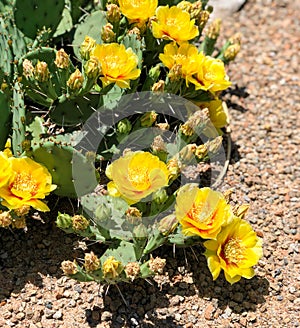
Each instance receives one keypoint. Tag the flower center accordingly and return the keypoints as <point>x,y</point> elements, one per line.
<point>234,251</point>
<point>24,182</point>
<point>139,177</point>
<point>171,21</point>
<point>201,213</point>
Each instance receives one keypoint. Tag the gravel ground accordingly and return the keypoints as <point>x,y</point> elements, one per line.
<point>264,106</point>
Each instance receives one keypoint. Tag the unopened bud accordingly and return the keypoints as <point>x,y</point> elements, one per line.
<point>185,6</point>
<point>92,68</point>
<point>41,71</point>
<point>133,215</point>
<point>213,30</point>
<point>241,210</point>
<point>91,262</point>
<point>75,81</point>
<point>148,119</point>
<point>187,153</point>
<point>232,51</point>
<point>28,69</point>
<point>235,39</point>
<point>79,222</point>
<point>175,73</point>
<point>107,34</point>
<point>135,31</point>
<point>174,167</point>
<point>111,268</point>
<point>203,18</point>
<point>86,47</point>
<point>23,210</point>
<point>163,126</point>
<point>132,270</point>
<point>160,196</point>
<point>158,86</point>
<point>196,11</point>
<point>5,219</point>
<point>196,120</point>
<point>124,126</point>
<point>157,264</point>
<point>168,224</point>
<point>62,59</point>
<point>215,145</point>
<point>201,151</point>
<point>63,221</point>
<point>158,145</point>
<point>69,268</point>
<point>113,13</point>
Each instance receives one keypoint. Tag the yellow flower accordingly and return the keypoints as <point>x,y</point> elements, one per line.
<point>174,24</point>
<point>138,10</point>
<point>111,268</point>
<point>29,183</point>
<point>211,75</point>
<point>136,175</point>
<point>217,113</point>
<point>201,212</point>
<point>186,55</point>
<point>236,250</point>
<point>118,64</point>
<point>5,169</point>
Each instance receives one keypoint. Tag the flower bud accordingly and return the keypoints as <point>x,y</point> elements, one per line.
<point>132,270</point>
<point>241,210</point>
<point>23,210</point>
<point>168,224</point>
<point>235,39</point>
<point>215,145</point>
<point>103,212</point>
<point>201,151</point>
<point>203,18</point>
<point>28,69</point>
<point>107,34</point>
<point>133,215</point>
<point>174,167</point>
<point>163,126</point>
<point>41,71</point>
<point>79,222</point>
<point>231,52</point>
<point>159,86</point>
<point>175,73</point>
<point>160,196</point>
<point>158,145</point>
<point>198,119</point>
<point>185,6</point>
<point>69,268</point>
<point>213,30</point>
<point>91,262</point>
<point>111,268</point>
<point>196,11</point>
<point>187,153</point>
<point>86,47</point>
<point>5,219</point>
<point>113,13</point>
<point>157,264</point>
<point>75,81</point>
<point>62,59</point>
<point>135,31</point>
<point>140,231</point>
<point>92,68</point>
<point>124,126</point>
<point>148,119</point>
<point>63,221</point>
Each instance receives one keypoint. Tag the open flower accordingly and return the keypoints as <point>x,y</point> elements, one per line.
<point>236,250</point>
<point>118,64</point>
<point>174,24</point>
<point>136,175</point>
<point>111,268</point>
<point>29,183</point>
<point>201,212</point>
<point>5,169</point>
<point>138,10</point>
<point>211,75</point>
<point>186,55</point>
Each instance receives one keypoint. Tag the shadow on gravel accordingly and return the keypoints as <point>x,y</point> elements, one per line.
<point>239,92</point>
<point>25,256</point>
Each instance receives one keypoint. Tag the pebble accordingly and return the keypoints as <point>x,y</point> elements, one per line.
<point>57,315</point>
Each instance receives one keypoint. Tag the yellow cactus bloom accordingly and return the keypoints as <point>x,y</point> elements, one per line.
<point>138,10</point>
<point>29,183</point>
<point>236,250</point>
<point>217,113</point>
<point>111,268</point>
<point>186,55</point>
<point>118,64</point>
<point>211,75</point>
<point>201,212</point>
<point>5,169</point>
<point>174,24</point>
<point>136,175</point>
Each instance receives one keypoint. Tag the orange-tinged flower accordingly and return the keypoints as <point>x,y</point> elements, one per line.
<point>201,212</point>
<point>211,75</point>
<point>5,169</point>
<point>138,10</point>
<point>236,250</point>
<point>118,64</point>
<point>29,183</point>
<point>174,24</point>
<point>136,175</point>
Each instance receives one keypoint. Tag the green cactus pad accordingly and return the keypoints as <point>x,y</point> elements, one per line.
<point>74,111</point>
<point>59,160</point>
<point>92,27</point>
<point>5,115</point>
<point>32,15</point>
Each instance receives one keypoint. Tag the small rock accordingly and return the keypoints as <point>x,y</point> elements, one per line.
<point>20,316</point>
<point>106,316</point>
<point>57,315</point>
<point>209,311</point>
